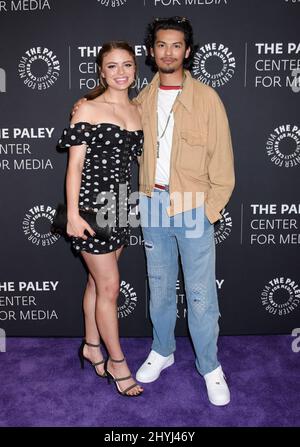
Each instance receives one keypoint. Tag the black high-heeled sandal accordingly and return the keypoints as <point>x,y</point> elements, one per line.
<point>115,380</point>
<point>82,358</point>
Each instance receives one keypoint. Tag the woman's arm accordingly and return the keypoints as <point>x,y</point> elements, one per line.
<point>76,225</point>
<point>73,179</point>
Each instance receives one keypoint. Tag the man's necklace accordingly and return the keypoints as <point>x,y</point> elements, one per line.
<point>159,137</point>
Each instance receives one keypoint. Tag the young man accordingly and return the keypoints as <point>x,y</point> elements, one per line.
<point>186,170</point>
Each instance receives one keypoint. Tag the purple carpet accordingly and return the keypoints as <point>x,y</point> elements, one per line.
<point>42,385</point>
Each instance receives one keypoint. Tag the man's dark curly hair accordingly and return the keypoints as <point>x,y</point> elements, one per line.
<point>176,23</point>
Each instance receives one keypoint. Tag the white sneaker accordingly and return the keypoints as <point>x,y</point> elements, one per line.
<point>153,366</point>
<point>217,389</point>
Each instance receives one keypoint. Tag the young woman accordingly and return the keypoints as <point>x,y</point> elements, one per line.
<point>104,137</point>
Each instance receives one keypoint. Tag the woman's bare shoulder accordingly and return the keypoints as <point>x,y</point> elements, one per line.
<point>86,111</point>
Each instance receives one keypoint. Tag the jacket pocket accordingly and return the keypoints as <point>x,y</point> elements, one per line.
<point>192,138</point>
<point>192,152</point>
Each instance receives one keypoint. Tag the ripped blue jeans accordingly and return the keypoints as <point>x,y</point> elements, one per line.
<point>163,243</point>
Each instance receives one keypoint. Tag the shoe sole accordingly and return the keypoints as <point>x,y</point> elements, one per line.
<point>152,379</point>
<point>218,404</point>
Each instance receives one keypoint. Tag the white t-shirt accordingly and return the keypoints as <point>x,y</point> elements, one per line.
<point>165,101</point>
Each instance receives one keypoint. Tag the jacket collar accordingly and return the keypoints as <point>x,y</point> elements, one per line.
<point>186,96</point>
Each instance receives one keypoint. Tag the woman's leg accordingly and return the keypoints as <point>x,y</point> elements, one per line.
<point>92,334</point>
<point>104,270</point>
<point>91,330</point>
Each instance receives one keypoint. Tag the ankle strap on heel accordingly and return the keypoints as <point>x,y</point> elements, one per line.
<point>92,345</point>
<point>117,361</point>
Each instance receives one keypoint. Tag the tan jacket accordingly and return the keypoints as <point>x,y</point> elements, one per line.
<point>201,157</point>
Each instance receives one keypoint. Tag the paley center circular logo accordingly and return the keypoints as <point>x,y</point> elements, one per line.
<point>280,296</point>
<point>39,68</point>
<point>127,300</point>
<point>283,146</point>
<point>112,3</point>
<point>214,64</point>
<point>223,227</point>
<point>36,225</point>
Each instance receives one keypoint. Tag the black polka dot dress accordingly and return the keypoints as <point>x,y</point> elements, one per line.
<point>107,168</point>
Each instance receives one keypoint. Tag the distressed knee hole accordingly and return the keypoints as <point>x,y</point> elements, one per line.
<point>155,273</point>
<point>199,305</point>
<point>148,245</point>
<point>198,297</point>
<point>156,277</point>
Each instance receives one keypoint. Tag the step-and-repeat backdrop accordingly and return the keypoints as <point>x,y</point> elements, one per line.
<point>249,51</point>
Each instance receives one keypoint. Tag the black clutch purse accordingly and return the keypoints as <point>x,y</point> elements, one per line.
<point>60,220</point>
